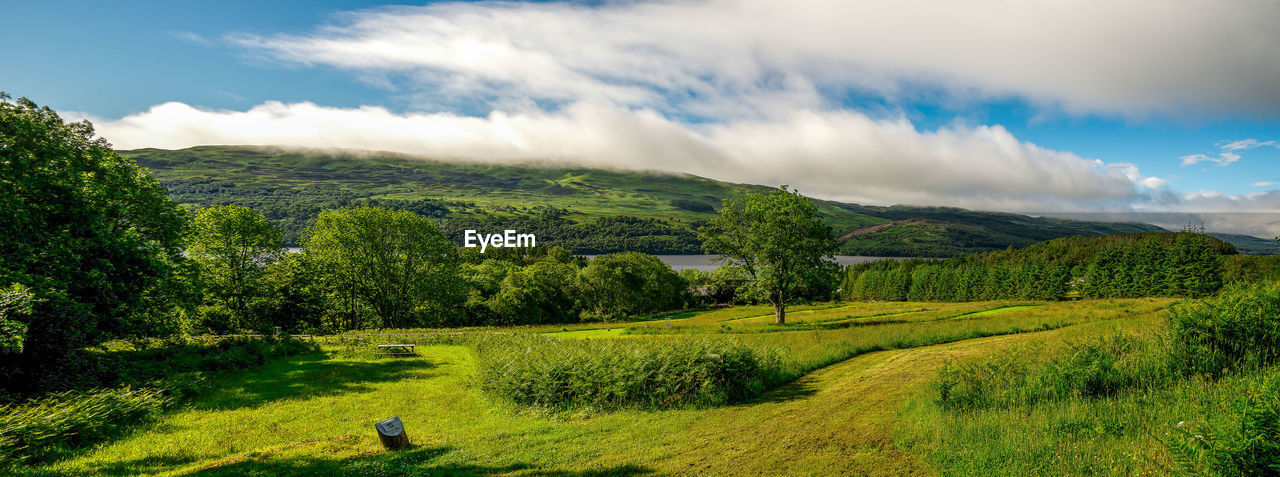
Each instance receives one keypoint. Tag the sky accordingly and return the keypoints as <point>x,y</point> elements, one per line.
<point>1171,109</point>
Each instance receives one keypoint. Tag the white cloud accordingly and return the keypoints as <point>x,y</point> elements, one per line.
<point>1263,184</point>
<point>754,58</point>
<point>1227,156</point>
<point>750,91</point>
<point>191,37</point>
<point>839,155</point>
<point>1245,144</point>
<point>1223,158</point>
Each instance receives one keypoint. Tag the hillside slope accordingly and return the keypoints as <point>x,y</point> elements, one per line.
<point>1248,244</point>
<point>587,210</point>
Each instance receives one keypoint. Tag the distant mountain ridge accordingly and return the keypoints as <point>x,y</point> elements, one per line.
<point>1249,244</point>
<point>588,210</point>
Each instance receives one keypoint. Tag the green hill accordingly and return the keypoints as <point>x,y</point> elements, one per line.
<point>1250,245</point>
<point>585,209</point>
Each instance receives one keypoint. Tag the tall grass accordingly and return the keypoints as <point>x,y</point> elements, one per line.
<point>155,377</point>
<point>805,351</point>
<point>1198,395</point>
<point>613,374</point>
<point>706,369</point>
<point>49,426</point>
<point>1099,367</point>
<point>1245,443</point>
<point>1238,329</point>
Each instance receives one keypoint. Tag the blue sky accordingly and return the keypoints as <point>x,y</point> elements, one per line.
<point>1080,107</point>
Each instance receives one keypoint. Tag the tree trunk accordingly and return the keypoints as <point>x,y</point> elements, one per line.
<point>780,314</point>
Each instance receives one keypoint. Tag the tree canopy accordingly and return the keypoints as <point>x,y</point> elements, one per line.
<point>87,231</point>
<point>396,265</point>
<point>234,246</point>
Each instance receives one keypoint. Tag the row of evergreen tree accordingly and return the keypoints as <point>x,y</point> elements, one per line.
<point>1117,266</point>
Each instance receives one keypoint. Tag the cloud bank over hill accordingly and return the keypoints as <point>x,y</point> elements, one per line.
<point>758,91</point>
<point>840,155</point>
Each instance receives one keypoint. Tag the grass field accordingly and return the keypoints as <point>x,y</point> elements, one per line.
<point>857,402</point>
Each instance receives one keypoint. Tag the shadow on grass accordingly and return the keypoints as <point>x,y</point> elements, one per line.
<point>149,465</point>
<point>305,376</point>
<point>144,466</point>
<point>799,389</point>
<point>412,461</point>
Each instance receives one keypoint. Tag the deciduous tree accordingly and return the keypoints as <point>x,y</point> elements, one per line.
<point>779,239</point>
<point>233,246</point>
<point>89,232</point>
<point>397,264</point>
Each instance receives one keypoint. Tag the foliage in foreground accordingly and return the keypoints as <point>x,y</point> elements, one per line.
<point>622,373</point>
<point>1238,329</point>
<point>1246,444</point>
<point>49,426</point>
<point>124,388</point>
<point>1097,368</point>
<point>1199,395</point>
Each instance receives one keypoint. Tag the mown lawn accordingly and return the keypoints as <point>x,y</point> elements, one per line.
<point>314,414</point>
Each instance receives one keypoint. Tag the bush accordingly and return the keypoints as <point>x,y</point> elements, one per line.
<point>998,381</point>
<point>693,205</point>
<point>622,373</point>
<point>621,285</point>
<point>15,302</point>
<point>1238,329</point>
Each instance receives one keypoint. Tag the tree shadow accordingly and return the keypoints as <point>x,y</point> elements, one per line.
<point>149,465</point>
<point>856,324</point>
<point>303,377</point>
<point>798,389</point>
<point>412,461</point>
<point>300,376</point>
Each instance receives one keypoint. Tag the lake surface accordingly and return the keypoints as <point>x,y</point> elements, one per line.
<point>704,262</point>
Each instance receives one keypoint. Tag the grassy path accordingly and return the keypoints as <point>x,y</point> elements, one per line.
<point>837,420</point>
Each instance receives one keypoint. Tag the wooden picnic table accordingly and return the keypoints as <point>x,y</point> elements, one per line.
<point>390,349</point>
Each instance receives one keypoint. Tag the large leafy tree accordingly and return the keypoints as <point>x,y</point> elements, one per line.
<point>87,231</point>
<point>619,285</point>
<point>779,239</point>
<point>234,246</point>
<point>396,264</point>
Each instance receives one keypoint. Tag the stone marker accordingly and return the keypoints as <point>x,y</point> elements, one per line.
<point>391,432</point>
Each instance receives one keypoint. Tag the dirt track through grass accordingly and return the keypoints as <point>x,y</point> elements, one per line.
<point>838,420</point>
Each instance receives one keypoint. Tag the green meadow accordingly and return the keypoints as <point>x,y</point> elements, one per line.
<point>852,391</point>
